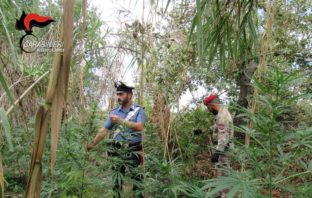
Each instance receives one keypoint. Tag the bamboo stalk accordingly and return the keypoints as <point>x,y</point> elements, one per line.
<point>53,77</point>
<point>82,40</point>
<point>62,81</point>
<point>35,173</point>
<point>266,39</point>
<point>56,93</point>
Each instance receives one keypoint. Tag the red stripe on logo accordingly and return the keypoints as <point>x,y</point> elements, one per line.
<point>35,17</point>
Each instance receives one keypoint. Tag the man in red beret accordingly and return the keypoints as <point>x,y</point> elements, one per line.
<point>223,132</point>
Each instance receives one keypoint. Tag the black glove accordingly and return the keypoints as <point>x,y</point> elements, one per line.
<point>215,156</point>
<point>197,131</point>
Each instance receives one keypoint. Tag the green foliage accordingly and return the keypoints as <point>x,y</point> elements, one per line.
<point>280,150</point>
<point>185,124</point>
<point>7,128</point>
<point>167,68</point>
<point>6,88</point>
<point>225,29</point>
<point>6,5</point>
<point>167,176</point>
<point>223,39</point>
<point>235,182</point>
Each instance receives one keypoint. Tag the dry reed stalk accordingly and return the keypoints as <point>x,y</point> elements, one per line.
<point>266,42</point>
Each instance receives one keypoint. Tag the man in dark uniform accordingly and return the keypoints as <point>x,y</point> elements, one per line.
<point>128,122</point>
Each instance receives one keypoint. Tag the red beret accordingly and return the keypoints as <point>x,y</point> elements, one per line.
<point>209,98</point>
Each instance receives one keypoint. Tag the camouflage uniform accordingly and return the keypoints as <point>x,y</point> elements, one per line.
<point>222,134</point>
